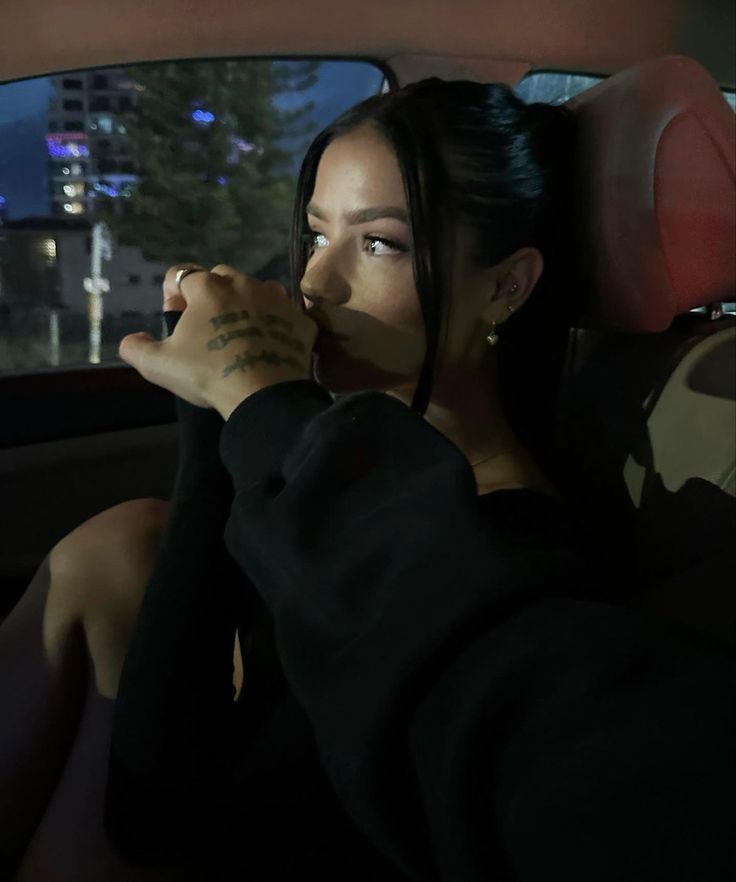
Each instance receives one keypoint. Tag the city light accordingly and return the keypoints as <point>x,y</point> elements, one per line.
<point>243,146</point>
<point>203,116</point>
<point>47,249</point>
<point>107,190</point>
<point>59,150</point>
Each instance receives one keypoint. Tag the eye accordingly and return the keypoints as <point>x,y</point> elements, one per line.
<point>389,246</point>
<point>309,239</point>
<point>393,247</point>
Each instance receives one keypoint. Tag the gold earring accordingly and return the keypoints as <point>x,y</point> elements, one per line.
<point>493,337</point>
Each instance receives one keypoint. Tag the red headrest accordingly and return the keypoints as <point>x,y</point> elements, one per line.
<point>658,172</point>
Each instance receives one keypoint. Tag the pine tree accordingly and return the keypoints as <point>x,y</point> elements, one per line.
<point>214,184</point>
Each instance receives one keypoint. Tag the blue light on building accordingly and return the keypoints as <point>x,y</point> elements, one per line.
<point>108,191</point>
<point>69,149</point>
<point>203,116</point>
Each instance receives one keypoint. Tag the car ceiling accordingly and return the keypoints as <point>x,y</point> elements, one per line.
<point>476,39</point>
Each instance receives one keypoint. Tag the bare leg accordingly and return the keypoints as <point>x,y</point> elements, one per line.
<point>70,843</point>
<point>61,652</point>
<point>41,707</point>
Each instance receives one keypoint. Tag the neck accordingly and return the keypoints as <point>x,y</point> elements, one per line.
<point>465,407</point>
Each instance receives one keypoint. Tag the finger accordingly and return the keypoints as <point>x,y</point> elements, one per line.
<point>222,269</point>
<point>277,289</point>
<point>140,351</point>
<point>173,297</point>
<point>238,282</point>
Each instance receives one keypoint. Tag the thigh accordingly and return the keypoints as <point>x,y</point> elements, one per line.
<point>70,844</point>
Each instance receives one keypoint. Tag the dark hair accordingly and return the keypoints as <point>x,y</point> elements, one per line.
<point>477,154</point>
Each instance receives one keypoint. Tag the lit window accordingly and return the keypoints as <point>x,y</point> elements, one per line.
<point>47,249</point>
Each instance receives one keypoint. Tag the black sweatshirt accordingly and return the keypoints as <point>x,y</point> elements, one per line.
<point>461,700</point>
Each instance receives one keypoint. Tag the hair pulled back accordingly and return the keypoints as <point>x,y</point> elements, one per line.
<point>477,154</point>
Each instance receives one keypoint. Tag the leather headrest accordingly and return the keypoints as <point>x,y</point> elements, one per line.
<point>656,192</point>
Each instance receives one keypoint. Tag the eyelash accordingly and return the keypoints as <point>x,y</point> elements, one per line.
<point>309,241</point>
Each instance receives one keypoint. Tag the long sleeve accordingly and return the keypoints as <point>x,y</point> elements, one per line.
<point>174,707</point>
<point>480,713</point>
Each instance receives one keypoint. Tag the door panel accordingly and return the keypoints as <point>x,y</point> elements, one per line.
<point>49,488</point>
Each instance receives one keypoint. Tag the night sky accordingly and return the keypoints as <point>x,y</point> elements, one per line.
<point>23,119</point>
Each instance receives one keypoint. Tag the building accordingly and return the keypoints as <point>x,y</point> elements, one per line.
<point>87,142</point>
<point>48,259</point>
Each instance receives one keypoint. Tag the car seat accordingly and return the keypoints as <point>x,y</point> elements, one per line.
<point>648,413</point>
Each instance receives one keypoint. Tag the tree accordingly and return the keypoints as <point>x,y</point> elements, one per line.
<point>215,184</point>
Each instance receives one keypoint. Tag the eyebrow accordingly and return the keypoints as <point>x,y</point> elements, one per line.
<point>365,215</point>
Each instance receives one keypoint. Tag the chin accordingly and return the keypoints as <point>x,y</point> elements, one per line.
<point>342,375</point>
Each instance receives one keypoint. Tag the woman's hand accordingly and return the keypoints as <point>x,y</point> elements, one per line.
<point>236,335</point>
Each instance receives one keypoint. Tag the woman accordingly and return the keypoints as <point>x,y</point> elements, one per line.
<point>447,697</point>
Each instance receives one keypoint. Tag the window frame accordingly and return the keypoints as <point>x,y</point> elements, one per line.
<point>54,403</point>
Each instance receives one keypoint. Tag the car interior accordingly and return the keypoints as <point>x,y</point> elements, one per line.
<point>648,412</point>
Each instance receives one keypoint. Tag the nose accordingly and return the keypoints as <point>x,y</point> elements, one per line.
<point>324,280</point>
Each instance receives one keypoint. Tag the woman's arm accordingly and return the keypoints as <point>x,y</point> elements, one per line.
<point>476,713</point>
<point>174,704</point>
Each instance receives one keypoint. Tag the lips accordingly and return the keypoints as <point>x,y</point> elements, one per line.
<point>325,331</point>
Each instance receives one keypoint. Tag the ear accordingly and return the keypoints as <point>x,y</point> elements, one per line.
<point>515,279</point>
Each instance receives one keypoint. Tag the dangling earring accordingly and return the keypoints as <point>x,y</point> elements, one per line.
<point>493,337</point>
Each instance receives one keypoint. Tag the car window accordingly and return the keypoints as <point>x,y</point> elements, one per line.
<point>553,87</point>
<point>109,176</point>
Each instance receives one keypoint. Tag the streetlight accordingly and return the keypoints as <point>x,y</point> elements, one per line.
<point>96,286</point>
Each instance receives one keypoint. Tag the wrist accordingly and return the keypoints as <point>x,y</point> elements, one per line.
<point>229,399</point>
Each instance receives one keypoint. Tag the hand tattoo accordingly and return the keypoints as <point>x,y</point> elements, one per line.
<point>267,319</point>
<point>245,361</point>
<point>228,318</point>
<point>223,339</point>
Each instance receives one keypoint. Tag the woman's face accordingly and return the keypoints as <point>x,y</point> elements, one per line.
<point>359,283</point>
